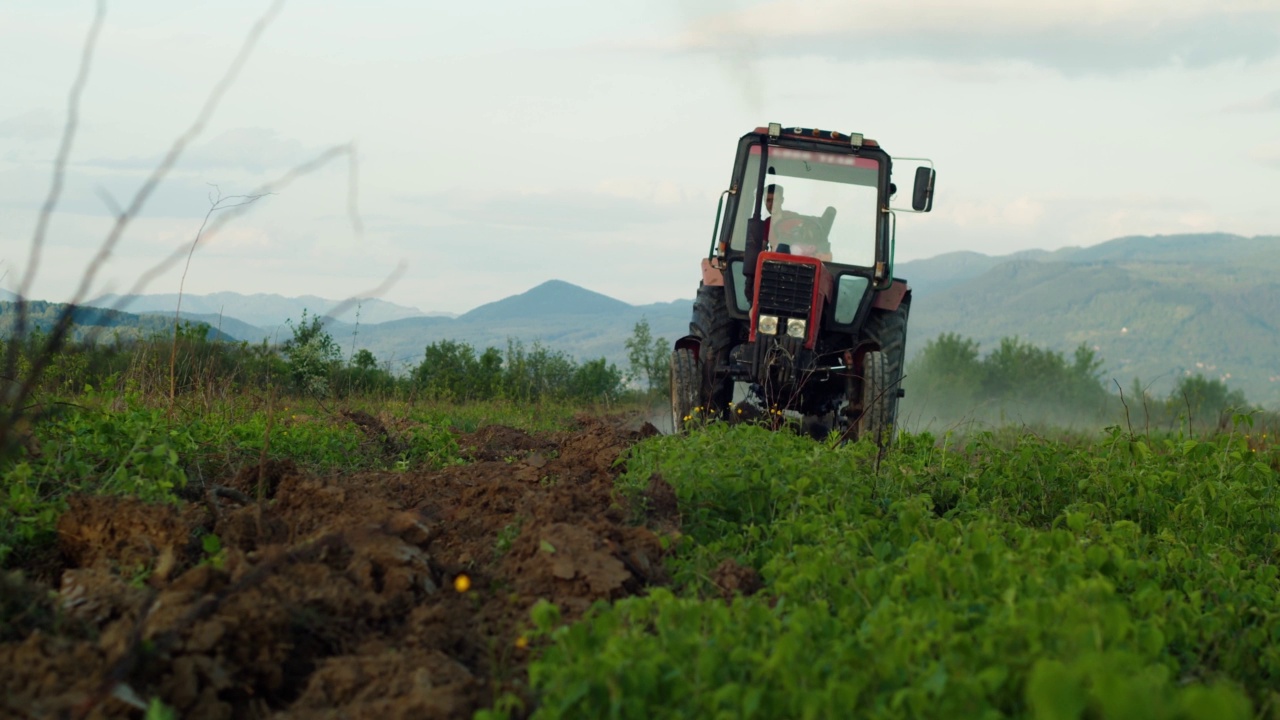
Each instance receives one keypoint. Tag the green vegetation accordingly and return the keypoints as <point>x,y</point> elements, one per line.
<point>453,370</point>
<point>124,445</point>
<point>310,363</point>
<point>1127,573</point>
<point>1154,307</point>
<point>159,418</point>
<point>950,384</point>
<point>650,359</point>
<point>1013,576</point>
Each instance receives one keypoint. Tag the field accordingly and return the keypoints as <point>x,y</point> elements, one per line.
<point>266,558</point>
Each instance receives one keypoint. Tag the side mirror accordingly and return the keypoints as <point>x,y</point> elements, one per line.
<point>922,195</point>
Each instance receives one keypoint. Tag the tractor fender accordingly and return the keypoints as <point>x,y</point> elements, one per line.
<point>690,342</point>
<point>712,272</point>
<point>891,297</point>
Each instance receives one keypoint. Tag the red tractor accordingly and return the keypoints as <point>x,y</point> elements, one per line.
<point>798,314</point>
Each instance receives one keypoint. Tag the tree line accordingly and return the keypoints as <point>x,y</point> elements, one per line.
<point>950,380</point>
<point>184,358</point>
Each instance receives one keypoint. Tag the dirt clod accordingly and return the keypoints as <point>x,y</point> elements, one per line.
<point>736,579</point>
<point>337,595</point>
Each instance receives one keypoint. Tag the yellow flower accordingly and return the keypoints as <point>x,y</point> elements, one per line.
<point>462,583</point>
<point>522,642</point>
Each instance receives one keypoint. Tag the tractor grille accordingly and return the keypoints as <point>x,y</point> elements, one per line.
<point>786,289</point>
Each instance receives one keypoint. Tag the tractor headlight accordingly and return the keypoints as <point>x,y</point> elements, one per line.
<point>795,328</point>
<point>768,324</point>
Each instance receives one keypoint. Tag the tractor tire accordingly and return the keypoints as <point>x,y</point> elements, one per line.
<point>879,400</point>
<point>685,388</point>
<point>889,331</point>
<point>713,326</point>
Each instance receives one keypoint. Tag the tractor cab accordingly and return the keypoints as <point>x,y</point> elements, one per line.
<point>798,278</point>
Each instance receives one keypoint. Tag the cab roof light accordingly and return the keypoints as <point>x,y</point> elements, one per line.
<point>856,140</point>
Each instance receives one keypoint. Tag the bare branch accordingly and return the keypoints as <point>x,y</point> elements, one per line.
<point>158,174</point>
<point>177,311</point>
<point>55,189</point>
<point>271,188</point>
<point>221,220</point>
<point>14,398</point>
<point>64,149</point>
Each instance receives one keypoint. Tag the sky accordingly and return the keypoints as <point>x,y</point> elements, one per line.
<point>502,143</point>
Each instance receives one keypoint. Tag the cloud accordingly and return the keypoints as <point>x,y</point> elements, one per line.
<point>255,150</point>
<point>30,126</point>
<point>1267,103</point>
<point>1267,155</point>
<point>1073,37</point>
<point>587,211</point>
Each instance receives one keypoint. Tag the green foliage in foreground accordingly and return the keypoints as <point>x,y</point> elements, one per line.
<point>1021,577</point>
<point>125,445</point>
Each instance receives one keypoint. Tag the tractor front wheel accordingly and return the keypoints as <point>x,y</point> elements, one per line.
<point>685,388</point>
<point>879,400</point>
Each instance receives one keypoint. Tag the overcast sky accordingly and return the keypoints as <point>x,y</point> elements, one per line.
<point>505,143</point>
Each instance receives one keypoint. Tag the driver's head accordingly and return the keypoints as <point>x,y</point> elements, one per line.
<point>773,193</point>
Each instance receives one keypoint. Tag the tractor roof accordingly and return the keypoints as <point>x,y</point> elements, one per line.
<point>832,137</point>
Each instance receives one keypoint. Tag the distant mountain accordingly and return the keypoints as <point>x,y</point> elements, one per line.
<point>262,309</point>
<point>231,327</point>
<point>1152,307</point>
<point>559,315</point>
<point>92,323</point>
<point>551,298</point>
<point>950,269</point>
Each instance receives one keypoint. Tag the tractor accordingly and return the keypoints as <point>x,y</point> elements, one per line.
<point>798,315</point>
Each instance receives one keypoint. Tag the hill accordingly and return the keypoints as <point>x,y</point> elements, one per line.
<point>262,309</point>
<point>561,316</point>
<point>551,298</point>
<point>94,323</point>
<point>1152,307</point>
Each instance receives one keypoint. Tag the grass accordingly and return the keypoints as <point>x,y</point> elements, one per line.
<point>129,444</point>
<point>1008,575</point>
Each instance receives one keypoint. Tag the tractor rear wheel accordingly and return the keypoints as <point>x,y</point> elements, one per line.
<point>713,326</point>
<point>889,331</point>
<point>879,400</point>
<point>686,388</point>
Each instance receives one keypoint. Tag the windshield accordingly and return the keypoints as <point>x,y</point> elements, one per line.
<point>818,204</point>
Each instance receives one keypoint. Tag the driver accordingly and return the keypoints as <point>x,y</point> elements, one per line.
<point>773,202</point>
<point>792,234</point>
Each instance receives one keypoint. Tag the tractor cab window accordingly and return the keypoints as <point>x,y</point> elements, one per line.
<point>817,204</point>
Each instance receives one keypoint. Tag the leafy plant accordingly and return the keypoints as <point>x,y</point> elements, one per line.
<point>1013,575</point>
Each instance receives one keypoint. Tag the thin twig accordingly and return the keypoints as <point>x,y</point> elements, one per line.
<point>1126,407</point>
<point>55,189</point>
<point>175,151</point>
<point>64,322</point>
<point>215,206</point>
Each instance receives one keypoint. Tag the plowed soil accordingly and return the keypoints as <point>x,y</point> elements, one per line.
<point>374,595</point>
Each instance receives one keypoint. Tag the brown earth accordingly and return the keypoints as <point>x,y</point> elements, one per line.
<point>380,594</point>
